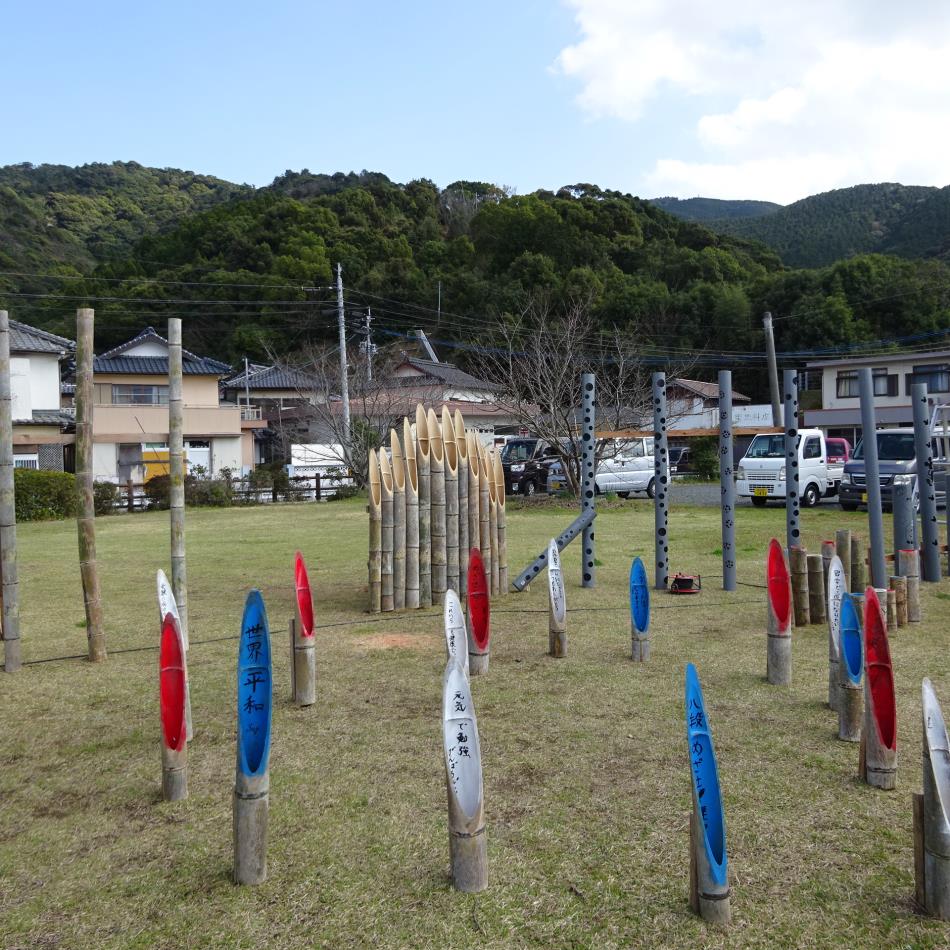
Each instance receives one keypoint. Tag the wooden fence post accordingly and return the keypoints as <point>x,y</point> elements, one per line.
<point>9,577</point>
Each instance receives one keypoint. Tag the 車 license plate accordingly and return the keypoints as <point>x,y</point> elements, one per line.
<point>760,492</point>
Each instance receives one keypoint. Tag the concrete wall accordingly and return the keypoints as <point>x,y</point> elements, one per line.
<point>150,423</point>
<point>226,453</point>
<point>196,390</point>
<point>104,457</point>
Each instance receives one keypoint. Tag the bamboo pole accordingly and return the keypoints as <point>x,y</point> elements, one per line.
<point>176,492</point>
<point>798,566</point>
<point>858,576</point>
<point>88,568</point>
<point>835,592</point>
<point>9,574</point>
<point>461,444</point>
<point>843,550</point>
<point>399,522</point>
<point>827,553</point>
<point>375,534</point>
<point>474,495</point>
<point>908,566</point>
<point>172,694</point>
<point>891,596</point>
<point>412,517</point>
<point>425,508</point>
<point>502,526</point>
<point>484,512</point>
<point>850,671</point>
<point>386,533</point>
<point>816,589</point>
<point>899,586</point>
<point>451,502</point>
<point>437,485</point>
<point>557,604</point>
<point>934,873</point>
<point>879,735</point>
<point>779,618</point>
<point>493,521</point>
<point>303,647</point>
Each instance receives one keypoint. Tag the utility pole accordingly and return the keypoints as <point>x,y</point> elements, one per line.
<point>344,383</point>
<point>439,311</point>
<point>773,369</point>
<point>247,385</point>
<point>369,345</point>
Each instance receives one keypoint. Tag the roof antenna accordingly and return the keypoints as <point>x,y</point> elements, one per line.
<point>428,346</point>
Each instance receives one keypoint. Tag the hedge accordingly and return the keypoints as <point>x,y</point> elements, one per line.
<point>44,496</point>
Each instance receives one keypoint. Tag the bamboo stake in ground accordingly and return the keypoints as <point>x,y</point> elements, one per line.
<point>375,535</point>
<point>859,571</point>
<point>171,691</point>
<point>493,521</point>
<point>484,511</point>
<point>557,604</point>
<point>779,617</point>
<point>879,736</point>
<point>468,851</point>
<point>639,612</point>
<point>899,586</point>
<point>935,886</point>
<point>425,508</point>
<point>84,477</point>
<point>501,499</point>
<point>412,517</point>
<point>479,615</point>
<point>908,566</point>
<point>850,672</point>
<point>399,522</point>
<point>386,533</point>
<point>843,550</point>
<point>9,577</point>
<point>461,445</point>
<point>827,553</point>
<point>798,567</point>
<point>474,518</point>
<point>176,488</point>
<point>303,639</point>
<point>437,486</point>
<point>891,596</point>
<point>451,501</point>
<point>836,592</point>
<point>816,589</point>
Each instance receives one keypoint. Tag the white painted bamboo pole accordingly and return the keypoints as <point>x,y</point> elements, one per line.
<point>412,517</point>
<point>437,476</point>
<point>908,566</point>
<point>502,526</point>
<point>386,534</point>
<point>375,535</point>
<point>9,576</point>
<point>843,550</point>
<point>461,444</point>
<point>425,508</point>
<point>399,522</point>
<point>936,807</point>
<point>557,604</point>
<point>451,501</point>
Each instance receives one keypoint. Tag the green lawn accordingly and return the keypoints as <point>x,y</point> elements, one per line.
<point>586,778</point>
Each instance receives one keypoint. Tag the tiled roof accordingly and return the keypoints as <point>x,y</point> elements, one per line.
<point>272,377</point>
<point>114,360</point>
<point>704,389</point>
<point>449,374</point>
<point>27,339</point>
<point>47,417</point>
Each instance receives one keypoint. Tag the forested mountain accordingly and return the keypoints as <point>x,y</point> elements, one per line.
<point>705,210</point>
<point>254,274</point>
<point>909,221</point>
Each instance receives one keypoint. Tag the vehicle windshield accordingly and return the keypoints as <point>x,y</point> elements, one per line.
<point>891,447</point>
<point>518,450</point>
<point>766,447</point>
<point>675,454</point>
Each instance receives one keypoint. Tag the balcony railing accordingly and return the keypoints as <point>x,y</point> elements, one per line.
<point>250,413</point>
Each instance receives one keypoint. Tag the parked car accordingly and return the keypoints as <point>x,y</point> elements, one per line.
<point>630,470</point>
<point>679,460</point>
<point>761,471</point>
<point>839,451</point>
<point>525,463</point>
<point>897,458</point>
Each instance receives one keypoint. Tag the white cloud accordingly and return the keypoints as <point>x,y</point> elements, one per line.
<point>818,95</point>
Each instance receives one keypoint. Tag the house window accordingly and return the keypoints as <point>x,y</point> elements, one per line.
<point>848,384</point>
<point>937,378</point>
<point>127,394</point>
<point>884,384</point>
<point>26,461</point>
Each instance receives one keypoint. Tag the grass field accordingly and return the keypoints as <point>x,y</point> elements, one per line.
<point>586,778</point>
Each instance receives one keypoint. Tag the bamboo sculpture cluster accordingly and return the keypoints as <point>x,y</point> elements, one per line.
<point>435,494</point>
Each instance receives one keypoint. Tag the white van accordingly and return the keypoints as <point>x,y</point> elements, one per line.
<point>761,472</point>
<point>630,470</point>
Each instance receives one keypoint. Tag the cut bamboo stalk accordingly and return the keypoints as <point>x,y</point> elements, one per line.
<point>891,596</point>
<point>879,736</point>
<point>386,534</point>
<point>474,518</point>
<point>437,486</point>
<point>399,522</point>
<point>779,617</point>
<point>843,550</point>
<point>375,534</point>
<point>88,566</point>
<point>501,499</point>
<point>827,553</point>
<point>934,875</point>
<point>168,607</point>
<point>9,576</point>
<point>176,489</point>
<point>451,501</point>
<point>557,604</point>
<point>850,672</point>
<point>412,517</point>
<point>479,615</point>
<point>456,636</point>
<point>639,612</point>
<point>484,511</point>
<point>858,576</point>
<point>425,508</point>
<point>468,852</point>
<point>899,586</point>
<point>836,592</point>
<point>252,775</point>
<point>920,886</point>
<point>303,639</point>
<point>798,566</point>
<point>908,566</point>
<point>493,522</point>
<point>461,445</point>
<point>172,693</point>
<point>816,589</point>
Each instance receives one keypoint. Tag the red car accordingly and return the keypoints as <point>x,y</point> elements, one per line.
<point>839,451</point>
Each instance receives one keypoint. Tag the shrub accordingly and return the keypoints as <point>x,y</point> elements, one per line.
<point>158,491</point>
<point>105,497</point>
<point>44,496</point>
<point>705,454</point>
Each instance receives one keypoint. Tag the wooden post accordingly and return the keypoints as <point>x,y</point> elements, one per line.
<point>843,550</point>
<point>493,521</point>
<point>437,476</point>
<point>451,501</point>
<point>850,672</point>
<point>303,667</point>
<point>468,852</point>
<point>474,518</point>
<point>779,617</point>
<point>879,736</point>
<point>425,508</point>
<point>412,517</point>
<point>891,596</point>
<point>176,489</point>
<point>386,533</point>
<point>899,586</point>
<point>827,553</point>
<point>484,511</point>
<point>84,477</point>
<point>816,589</point>
<point>502,513</point>
<point>461,446</point>
<point>557,604</point>
<point>858,576</point>
<point>375,535</point>
<point>172,694</point>
<point>9,577</point>
<point>399,522</point>
<point>908,566</point>
<point>798,565</point>
<point>931,812</point>
<point>129,496</point>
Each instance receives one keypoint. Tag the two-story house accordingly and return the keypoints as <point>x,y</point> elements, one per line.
<point>130,425</point>
<point>41,429</point>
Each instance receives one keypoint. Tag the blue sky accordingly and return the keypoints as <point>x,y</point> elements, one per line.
<point>646,97</point>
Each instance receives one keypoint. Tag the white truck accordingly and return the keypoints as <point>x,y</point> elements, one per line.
<point>761,471</point>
